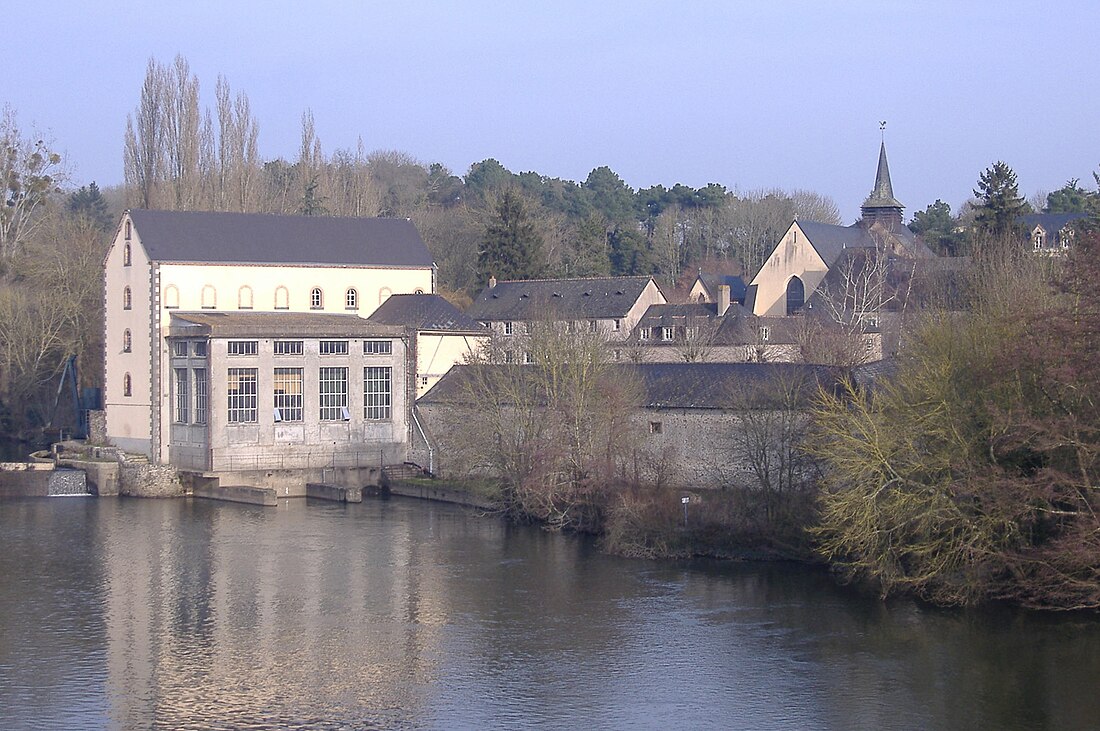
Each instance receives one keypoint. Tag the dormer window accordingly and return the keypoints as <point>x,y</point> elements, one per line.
<point>1038,238</point>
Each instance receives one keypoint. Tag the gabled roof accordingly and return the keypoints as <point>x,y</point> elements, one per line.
<point>559,299</point>
<point>712,281</point>
<point>277,324</point>
<point>425,312</point>
<point>255,238</point>
<point>666,385</point>
<point>830,241</point>
<point>1050,222</point>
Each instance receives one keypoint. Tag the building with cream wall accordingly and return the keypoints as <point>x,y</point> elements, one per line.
<point>166,262</point>
<point>445,337</point>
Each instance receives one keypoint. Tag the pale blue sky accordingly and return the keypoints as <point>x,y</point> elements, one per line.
<point>747,94</point>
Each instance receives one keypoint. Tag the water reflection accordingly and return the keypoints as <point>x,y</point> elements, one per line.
<point>400,614</point>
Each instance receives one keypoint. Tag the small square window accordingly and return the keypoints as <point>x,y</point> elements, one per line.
<point>654,427</point>
<point>199,348</point>
<point>179,348</point>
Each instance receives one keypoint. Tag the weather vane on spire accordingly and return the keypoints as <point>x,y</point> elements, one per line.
<point>882,129</point>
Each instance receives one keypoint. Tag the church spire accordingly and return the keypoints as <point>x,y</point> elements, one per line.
<point>881,205</point>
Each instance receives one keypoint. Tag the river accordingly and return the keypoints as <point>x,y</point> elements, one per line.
<point>400,614</point>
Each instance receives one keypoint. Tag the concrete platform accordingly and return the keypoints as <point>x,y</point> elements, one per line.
<point>238,494</point>
<point>337,493</point>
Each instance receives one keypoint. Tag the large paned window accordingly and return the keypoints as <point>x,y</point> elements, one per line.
<point>183,398</point>
<point>287,347</point>
<point>200,395</point>
<point>377,392</point>
<point>377,347</point>
<point>288,394</point>
<point>241,347</point>
<point>242,395</point>
<point>334,394</point>
<point>333,347</point>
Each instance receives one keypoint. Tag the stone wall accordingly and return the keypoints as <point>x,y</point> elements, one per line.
<point>97,427</point>
<point>138,479</point>
<point>684,448</point>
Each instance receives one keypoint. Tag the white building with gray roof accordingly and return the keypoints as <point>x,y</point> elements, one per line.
<point>169,263</point>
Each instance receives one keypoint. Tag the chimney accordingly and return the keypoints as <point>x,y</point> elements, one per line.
<point>723,299</point>
<point>492,281</point>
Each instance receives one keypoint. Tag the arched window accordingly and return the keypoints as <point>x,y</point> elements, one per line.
<point>316,298</point>
<point>127,299</point>
<point>127,385</point>
<point>127,341</point>
<point>796,295</point>
<point>282,298</point>
<point>244,298</point>
<point>384,294</point>
<point>209,297</point>
<point>351,299</point>
<point>702,298</point>
<point>127,230</point>
<point>171,297</point>
<point>126,255</point>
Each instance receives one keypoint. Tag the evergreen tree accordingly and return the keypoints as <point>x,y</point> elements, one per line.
<point>1070,198</point>
<point>511,247</point>
<point>89,203</point>
<point>938,228</point>
<point>999,201</point>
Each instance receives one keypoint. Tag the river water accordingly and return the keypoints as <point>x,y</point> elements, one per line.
<point>175,614</point>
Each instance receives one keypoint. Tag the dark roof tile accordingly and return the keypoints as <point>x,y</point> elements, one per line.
<point>255,238</point>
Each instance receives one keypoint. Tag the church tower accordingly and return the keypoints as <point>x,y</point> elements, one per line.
<point>881,205</point>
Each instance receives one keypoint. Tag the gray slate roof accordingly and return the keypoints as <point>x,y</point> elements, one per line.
<point>831,241</point>
<point>277,324</point>
<point>1051,222</point>
<point>882,195</point>
<point>425,312</point>
<point>678,315</point>
<point>558,299</point>
<point>671,385</point>
<point>255,238</point>
<point>713,281</point>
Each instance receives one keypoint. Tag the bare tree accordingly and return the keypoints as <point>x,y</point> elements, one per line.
<point>146,165</point>
<point>30,172</point>
<point>238,156</point>
<point>183,134</point>
<point>768,444</point>
<point>694,344</point>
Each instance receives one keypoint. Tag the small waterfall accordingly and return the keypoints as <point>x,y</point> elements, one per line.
<point>67,483</point>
